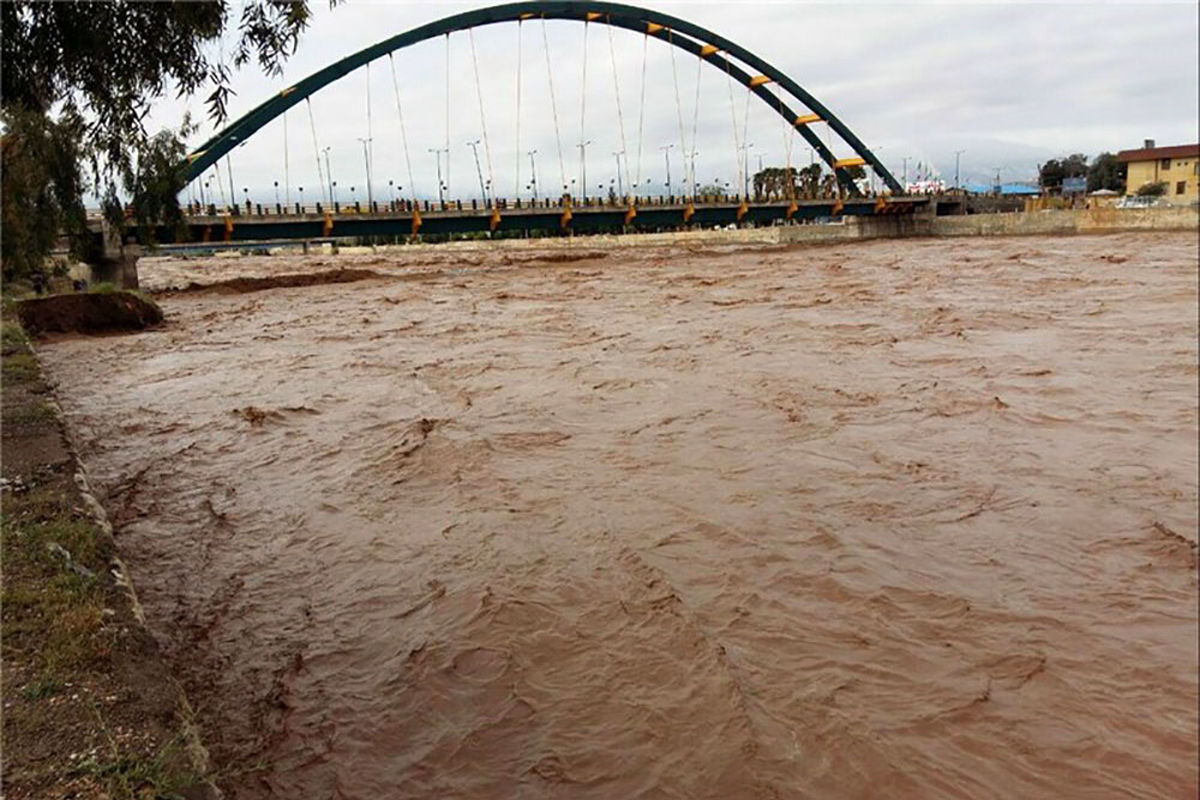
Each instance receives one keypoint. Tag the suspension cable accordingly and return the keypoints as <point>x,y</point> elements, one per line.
<point>517,179</point>
<point>642,108</point>
<point>412,186</point>
<point>582,116</point>
<point>562,172</point>
<point>487,149</point>
<point>316,150</point>
<point>617,91</point>
<point>370,142</point>
<point>678,106</point>
<point>746,142</point>
<point>447,113</point>
<point>696,121</point>
<point>788,137</point>
<point>287,181</point>
<point>733,116</point>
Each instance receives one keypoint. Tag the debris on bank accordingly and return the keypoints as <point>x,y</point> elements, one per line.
<point>291,280</point>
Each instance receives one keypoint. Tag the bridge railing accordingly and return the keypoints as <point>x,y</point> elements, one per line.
<point>398,206</point>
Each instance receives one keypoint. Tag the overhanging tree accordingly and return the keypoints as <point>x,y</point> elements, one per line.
<point>78,82</point>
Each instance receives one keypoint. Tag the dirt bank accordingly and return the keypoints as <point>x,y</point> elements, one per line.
<point>780,523</point>
<point>90,312</point>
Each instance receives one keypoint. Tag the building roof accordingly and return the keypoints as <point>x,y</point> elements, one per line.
<point>1155,153</point>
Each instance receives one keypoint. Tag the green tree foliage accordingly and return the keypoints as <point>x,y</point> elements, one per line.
<point>1106,172</point>
<point>1157,189</point>
<point>40,188</point>
<point>1055,171</point>
<point>78,82</point>
<point>773,182</point>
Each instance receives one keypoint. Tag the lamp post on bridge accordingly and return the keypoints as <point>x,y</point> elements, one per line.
<point>277,194</point>
<point>620,186</point>
<point>367,165</point>
<point>746,168</point>
<point>667,148</point>
<point>437,153</point>
<point>957,154</point>
<point>583,168</point>
<point>533,174</point>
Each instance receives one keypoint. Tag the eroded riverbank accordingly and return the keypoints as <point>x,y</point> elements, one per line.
<point>682,522</point>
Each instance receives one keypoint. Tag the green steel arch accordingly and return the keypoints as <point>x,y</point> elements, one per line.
<point>677,32</point>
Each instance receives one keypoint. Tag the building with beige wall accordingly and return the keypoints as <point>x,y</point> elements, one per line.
<point>1177,166</point>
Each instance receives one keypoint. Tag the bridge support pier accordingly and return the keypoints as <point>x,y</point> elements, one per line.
<point>116,262</point>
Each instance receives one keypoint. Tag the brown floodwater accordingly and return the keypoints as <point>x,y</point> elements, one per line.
<point>903,518</point>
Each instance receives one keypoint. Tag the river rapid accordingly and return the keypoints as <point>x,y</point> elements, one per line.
<point>913,519</point>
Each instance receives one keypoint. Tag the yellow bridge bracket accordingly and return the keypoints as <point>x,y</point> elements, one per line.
<point>328,226</point>
<point>837,208</point>
<point>528,15</point>
<point>195,155</point>
<point>689,211</point>
<point>494,222</point>
<point>416,221</point>
<point>842,163</point>
<point>653,27</point>
<point>592,16</point>
<point>807,119</point>
<point>228,227</point>
<point>630,213</point>
<point>742,211</point>
<point>287,91</point>
<point>759,80</point>
<point>565,219</point>
<point>708,50</point>
<point>880,204</point>
<point>792,209</point>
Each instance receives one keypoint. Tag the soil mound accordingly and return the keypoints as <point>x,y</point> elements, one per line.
<point>243,285</point>
<point>88,313</point>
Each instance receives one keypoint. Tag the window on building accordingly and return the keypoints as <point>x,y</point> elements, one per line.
<point>1166,163</point>
<point>1180,187</point>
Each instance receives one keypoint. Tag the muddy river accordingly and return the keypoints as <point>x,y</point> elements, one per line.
<point>912,519</point>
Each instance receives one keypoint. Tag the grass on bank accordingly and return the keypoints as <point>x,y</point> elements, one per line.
<point>63,618</point>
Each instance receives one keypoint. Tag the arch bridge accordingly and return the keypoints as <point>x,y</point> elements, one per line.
<point>799,111</point>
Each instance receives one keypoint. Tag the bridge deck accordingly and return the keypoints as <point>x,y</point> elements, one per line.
<point>242,227</point>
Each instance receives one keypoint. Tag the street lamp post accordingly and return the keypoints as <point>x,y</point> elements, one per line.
<point>583,168</point>
<point>441,186</point>
<point>957,155</point>
<point>746,169</point>
<point>277,194</point>
<point>667,148</point>
<point>329,176</point>
<point>533,174</point>
<point>620,187</point>
<point>367,165</point>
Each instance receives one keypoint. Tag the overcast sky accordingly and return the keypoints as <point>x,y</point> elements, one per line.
<point>1011,84</point>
